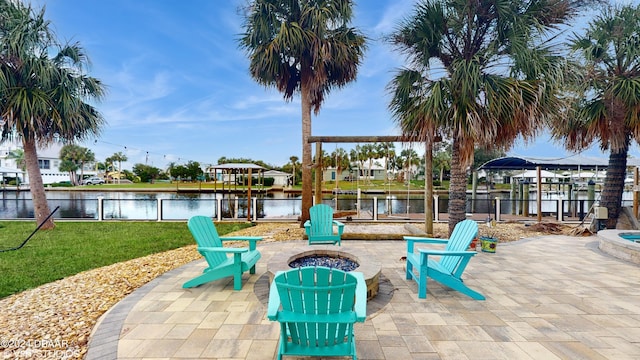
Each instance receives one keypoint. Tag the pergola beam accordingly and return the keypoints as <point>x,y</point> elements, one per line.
<point>355,139</point>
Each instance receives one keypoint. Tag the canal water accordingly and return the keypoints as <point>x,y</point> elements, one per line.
<point>180,206</point>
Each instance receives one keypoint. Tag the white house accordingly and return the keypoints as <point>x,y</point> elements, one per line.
<point>377,172</point>
<point>279,178</point>
<point>48,159</point>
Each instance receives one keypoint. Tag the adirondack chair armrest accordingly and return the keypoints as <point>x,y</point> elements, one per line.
<point>223,250</point>
<point>425,240</point>
<point>412,240</point>
<point>340,226</point>
<point>447,253</point>
<point>241,238</point>
<point>307,227</point>
<point>274,301</point>
<point>251,239</point>
<point>361,297</point>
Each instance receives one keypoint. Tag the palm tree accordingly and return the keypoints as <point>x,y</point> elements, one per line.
<point>386,150</point>
<point>442,159</point>
<point>294,161</point>
<point>42,97</point>
<point>71,167</point>
<point>326,162</point>
<point>86,156</point>
<point>18,156</point>
<point>69,154</point>
<point>340,160</point>
<point>368,153</point>
<point>119,157</point>
<point>608,93</point>
<point>481,73</point>
<point>409,159</point>
<point>357,155</point>
<point>172,165</point>
<point>304,47</point>
<point>78,156</point>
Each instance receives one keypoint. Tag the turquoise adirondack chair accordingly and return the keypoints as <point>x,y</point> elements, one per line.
<point>221,265</point>
<point>317,308</point>
<point>319,228</point>
<point>453,260</point>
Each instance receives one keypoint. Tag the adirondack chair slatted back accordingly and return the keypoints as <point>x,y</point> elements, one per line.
<point>324,298</point>
<point>206,235</point>
<point>321,220</point>
<point>462,235</point>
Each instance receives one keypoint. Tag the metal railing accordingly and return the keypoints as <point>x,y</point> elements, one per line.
<point>383,209</point>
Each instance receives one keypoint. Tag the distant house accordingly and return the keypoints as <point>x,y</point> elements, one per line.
<point>377,172</point>
<point>279,178</point>
<point>48,160</point>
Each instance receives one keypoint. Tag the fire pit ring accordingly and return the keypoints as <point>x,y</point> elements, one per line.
<point>368,266</point>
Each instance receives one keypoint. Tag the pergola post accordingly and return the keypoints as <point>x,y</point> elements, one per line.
<point>319,175</point>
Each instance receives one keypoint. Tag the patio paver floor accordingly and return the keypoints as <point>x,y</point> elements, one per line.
<point>551,297</point>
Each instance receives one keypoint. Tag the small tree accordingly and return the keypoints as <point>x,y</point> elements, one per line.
<point>146,173</point>
<point>73,158</point>
<point>71,167</point>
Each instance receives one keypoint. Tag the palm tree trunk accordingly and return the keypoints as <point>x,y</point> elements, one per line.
<point>307,186</point>
<point>40,205</point>
<point>614,184</point>
<point>457,187</point>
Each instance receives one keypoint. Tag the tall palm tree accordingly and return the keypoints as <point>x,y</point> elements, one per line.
<point>608,93</point>
<point>42,97</point>
<point>304,47</point>
<point>481,73</point>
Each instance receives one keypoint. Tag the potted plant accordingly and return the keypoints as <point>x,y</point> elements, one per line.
<point>489,241</point>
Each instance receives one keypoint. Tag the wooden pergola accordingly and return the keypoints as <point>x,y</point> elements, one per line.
<point>318,140</point>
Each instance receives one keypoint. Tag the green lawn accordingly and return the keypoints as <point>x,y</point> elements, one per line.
<point>73,247</point>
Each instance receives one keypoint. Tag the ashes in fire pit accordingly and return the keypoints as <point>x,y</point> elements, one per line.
<point>336,262</point>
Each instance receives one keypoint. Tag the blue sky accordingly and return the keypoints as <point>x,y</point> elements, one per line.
<point>179,87</point>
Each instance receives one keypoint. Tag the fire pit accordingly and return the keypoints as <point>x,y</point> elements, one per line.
<point>330,256</point>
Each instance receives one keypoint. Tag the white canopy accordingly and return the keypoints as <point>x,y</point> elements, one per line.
<point>533,174</point>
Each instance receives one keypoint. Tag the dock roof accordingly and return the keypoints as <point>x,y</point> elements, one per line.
<point>576,162</point>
